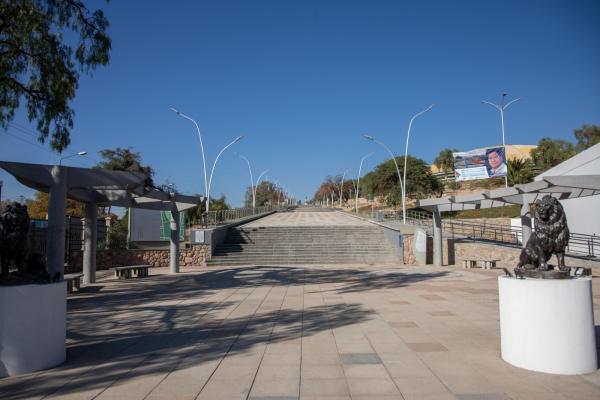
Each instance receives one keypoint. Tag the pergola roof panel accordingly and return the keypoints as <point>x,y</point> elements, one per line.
<point>561,187</point>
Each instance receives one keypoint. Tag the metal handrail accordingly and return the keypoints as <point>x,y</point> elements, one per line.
<point>220,217</point>
<point>579,243</point>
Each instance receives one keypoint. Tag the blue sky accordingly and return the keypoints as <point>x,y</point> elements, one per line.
<point>304,80</point>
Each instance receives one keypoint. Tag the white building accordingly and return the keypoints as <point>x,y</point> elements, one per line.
<point>583,214</point>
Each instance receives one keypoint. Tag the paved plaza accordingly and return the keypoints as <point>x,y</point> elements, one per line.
<point>293,332</point>
<point>307,218</point>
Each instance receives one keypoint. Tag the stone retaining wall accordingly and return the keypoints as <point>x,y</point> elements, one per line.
<point>508,256</point>
<point>196,255</point>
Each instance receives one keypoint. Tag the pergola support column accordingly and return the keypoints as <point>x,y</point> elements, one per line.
<point>55,244</point>
<point>525,223</point>
<point>174,246</point>
<point>90,243</point>
<point>437,238</point>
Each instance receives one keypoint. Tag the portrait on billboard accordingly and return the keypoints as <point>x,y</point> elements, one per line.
<point>495,162</point>
<point>482,163</point>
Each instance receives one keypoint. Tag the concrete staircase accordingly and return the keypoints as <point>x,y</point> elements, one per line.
<point>283,245</point>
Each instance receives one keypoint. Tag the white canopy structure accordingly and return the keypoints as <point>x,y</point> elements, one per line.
<point>561,187</point>
<point>95,187</point>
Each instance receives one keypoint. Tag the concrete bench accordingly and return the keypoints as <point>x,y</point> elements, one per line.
<point>73,280</point>
<point>485,264</point>
<point>128,271</point>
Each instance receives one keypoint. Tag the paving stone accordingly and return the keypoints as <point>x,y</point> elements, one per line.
<point>360,358</point>
<point>426,347</point>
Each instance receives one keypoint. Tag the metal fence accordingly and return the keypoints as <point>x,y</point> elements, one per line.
<point>581,244</point>
<point>74,235</point>
<point>220,217</point>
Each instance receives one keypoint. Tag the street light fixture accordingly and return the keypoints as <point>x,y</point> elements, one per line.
<point>79,153</point>
<point>252,184</point>
<point>234,141</point>
<point>342,187</point>
<point>405,159</point>
<point>358,179</point>
<point>501,108</point>
<point>371,138</point>
<point>201,145</point>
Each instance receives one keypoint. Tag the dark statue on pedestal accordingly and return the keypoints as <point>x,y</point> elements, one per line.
<point>551,236</point>
<point>30,268</point>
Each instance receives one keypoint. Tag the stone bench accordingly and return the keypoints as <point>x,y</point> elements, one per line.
<point>73,280</point>
<point>128,271</point>
<point>485,264</point>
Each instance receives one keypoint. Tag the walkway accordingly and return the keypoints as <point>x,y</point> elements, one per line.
<point>288,333</point>
<point>307,218</point>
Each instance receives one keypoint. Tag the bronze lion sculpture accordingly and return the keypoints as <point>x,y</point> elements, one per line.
<point>551,236</point>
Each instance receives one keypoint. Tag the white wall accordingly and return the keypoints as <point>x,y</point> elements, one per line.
<point>583,214</point>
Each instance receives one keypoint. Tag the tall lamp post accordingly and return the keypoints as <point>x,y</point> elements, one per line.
<point>201,146</point>
<point>371,138</point>
<point>342,186</point>
<point>501,108</point>
<point>252,184</point>
<point>405,159</point>
<point>358,179</point>
<point>212,171</point>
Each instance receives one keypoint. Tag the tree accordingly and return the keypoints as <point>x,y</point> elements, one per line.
<point>520,171</point>
<point>266,193</point>
<point>587,136</point>
<point>38,207</point>
<point>445,160</point>
<point>329,189</point>
<point>39,64</point>
<point>550,152</point>
<point>194,214</point>
<point>383,180</point>
<point>121,159</point>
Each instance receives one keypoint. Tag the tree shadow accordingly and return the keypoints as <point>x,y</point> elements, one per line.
<point>136,328</point>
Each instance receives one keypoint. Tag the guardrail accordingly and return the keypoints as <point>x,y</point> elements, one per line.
<point>579,243</point>
<point>221,217</point>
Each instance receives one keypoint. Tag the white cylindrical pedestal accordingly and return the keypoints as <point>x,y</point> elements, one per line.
<point>547,325</point>
<point>33,327</point>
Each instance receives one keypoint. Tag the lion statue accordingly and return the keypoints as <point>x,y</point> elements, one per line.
<point>551,235</point>
<point>14,224</point>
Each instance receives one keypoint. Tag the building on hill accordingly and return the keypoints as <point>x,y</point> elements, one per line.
<point>583,214</point>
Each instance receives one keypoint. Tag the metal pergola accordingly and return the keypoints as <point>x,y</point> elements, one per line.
<point>560,187</point>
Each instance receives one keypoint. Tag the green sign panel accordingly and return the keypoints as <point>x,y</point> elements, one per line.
<point>165,225</point>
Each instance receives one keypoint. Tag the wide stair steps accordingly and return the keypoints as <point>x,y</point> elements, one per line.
<point>305,245</point>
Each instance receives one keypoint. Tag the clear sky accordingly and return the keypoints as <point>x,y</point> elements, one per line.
<point>303,80</point>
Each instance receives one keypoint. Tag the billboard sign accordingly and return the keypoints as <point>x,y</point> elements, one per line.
<point>152,226</point>
<point>483,163</point>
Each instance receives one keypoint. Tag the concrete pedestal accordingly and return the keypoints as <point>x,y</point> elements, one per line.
<point>547,325</point>
<point>33,327</point>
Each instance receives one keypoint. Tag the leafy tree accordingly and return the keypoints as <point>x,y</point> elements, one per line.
<point>329,189</point>
<point>445,160</point>
<point>44,45</point>
<point>520,171</point>
<point>383,180</point>
<point>125,159</point>
<point>194,214</point>
<point>266,193</point>
<point>38,207</point>
<point>550,152</point>
<point>587,136</point>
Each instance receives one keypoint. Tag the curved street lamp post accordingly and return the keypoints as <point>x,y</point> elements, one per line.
<point>358,179</point>
<point>501,108</point>
<point>405,159</point>
<point>207,182</point>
